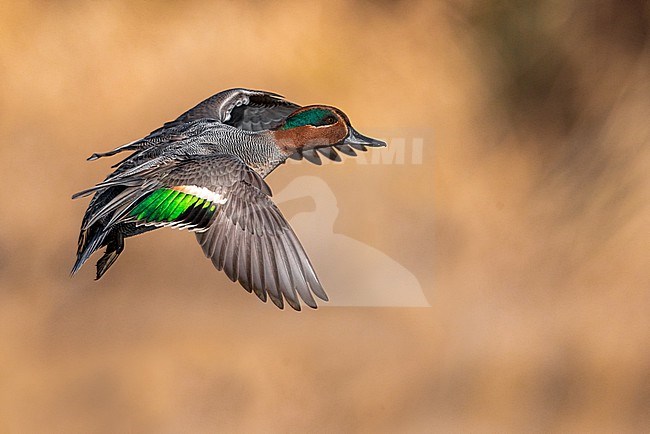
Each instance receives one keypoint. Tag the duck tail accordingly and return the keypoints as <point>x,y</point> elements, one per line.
<point>114,247</point>
<point>90,240</point>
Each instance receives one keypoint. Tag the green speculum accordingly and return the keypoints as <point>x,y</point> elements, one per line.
<point>167,205</point>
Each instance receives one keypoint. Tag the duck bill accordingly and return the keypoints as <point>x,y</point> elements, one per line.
<point>356,138</point>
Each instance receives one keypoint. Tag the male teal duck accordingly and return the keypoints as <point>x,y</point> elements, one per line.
<point>205,172</point>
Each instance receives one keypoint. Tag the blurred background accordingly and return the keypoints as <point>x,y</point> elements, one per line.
<point>526,223</point>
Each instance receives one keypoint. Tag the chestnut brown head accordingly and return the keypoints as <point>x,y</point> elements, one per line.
<point>318,126</point>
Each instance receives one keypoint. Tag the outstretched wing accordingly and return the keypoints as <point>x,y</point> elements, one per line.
<point>313,155</point>
<point>251,241</point>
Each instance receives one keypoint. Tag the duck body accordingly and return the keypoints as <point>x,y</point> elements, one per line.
<point>205,172</point>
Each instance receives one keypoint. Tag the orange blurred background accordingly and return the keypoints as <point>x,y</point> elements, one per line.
<point>526,223</point>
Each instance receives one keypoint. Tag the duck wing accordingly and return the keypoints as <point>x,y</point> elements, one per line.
<point>237,224</point>
<point>251,110</point>
<point>252,242</point>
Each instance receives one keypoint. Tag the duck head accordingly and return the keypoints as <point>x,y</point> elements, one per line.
<point>319,126</point>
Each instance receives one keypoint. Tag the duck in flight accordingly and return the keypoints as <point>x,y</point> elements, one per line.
<point>205,172</point>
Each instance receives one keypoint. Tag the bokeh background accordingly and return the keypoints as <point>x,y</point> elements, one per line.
<point>527,223</point>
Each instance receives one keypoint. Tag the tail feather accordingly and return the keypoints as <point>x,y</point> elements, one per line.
<point>89,242</point>
<point>103,223</point>
<point>114,247</point>
<point>92,236</point>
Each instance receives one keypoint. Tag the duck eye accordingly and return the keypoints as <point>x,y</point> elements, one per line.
<point>329,120</point>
